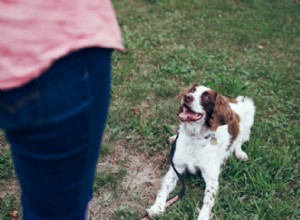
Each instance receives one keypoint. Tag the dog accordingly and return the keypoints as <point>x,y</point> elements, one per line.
<point>212,127</point>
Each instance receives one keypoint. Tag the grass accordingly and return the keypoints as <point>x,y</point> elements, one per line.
<point>237,47</point>
<point>7,205</point>
<point>5,166</point>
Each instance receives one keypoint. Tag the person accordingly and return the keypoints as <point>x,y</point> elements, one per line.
<point>55,76</point>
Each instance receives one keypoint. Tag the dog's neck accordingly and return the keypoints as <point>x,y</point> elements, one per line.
<point>194,129</point>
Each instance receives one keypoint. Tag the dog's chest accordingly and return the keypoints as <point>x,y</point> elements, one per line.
<point>194,153</point>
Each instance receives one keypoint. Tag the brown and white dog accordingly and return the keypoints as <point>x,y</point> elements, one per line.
<point>211,128</point>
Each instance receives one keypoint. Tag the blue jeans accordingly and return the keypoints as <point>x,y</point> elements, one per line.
<point>54,125</point>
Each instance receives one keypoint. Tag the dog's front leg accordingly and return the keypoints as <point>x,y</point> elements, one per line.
<point>211,190</point>
<point>168,185</point>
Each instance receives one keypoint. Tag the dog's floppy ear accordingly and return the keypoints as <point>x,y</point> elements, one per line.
<point>222,113</point>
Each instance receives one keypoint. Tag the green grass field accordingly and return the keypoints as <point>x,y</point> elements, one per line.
<point>237,47</point>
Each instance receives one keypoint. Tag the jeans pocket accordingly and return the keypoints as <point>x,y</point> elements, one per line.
<point>19,107</point>
<point>64,93</point>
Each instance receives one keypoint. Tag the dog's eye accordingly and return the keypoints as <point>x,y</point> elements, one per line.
<point>192,90</point>
<point>205,98</point>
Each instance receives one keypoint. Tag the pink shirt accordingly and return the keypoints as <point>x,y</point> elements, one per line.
<point>34,33</point>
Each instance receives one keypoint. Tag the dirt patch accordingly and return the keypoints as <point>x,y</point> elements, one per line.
<point>138,188</point>
<point>10,187</point>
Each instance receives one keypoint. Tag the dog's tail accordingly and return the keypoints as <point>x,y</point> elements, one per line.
<point>248,105</point>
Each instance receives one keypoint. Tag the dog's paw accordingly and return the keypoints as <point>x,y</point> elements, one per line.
<point>155,210</point>
<point>241,155</point>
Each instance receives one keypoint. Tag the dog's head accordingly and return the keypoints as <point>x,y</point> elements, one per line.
<point>202,105</point>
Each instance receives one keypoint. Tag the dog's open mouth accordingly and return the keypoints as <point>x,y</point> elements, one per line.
<point>188,115</point>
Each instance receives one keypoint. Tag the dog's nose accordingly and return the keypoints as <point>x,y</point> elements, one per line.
<point>188,98</point>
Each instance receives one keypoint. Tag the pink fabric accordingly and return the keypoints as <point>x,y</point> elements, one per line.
<point>34,33</point>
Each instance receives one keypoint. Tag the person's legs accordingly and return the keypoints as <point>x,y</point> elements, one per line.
<point>54,125</point>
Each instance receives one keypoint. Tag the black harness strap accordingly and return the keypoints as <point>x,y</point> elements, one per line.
<point>172,152</point>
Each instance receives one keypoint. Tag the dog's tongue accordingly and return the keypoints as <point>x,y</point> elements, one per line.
<point>189,116</point>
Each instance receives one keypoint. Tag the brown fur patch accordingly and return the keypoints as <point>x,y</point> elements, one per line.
<point>223,114</point>
<point>186,91</point>
<point>209,105</point>
<point>233,127</point>
<point>233,101</point>
<point>213,95</point>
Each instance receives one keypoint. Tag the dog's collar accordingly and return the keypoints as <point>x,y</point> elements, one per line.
<point>213,139</point>
<point>208,136</point>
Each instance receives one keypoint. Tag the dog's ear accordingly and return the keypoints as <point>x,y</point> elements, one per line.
<point>222,113</point>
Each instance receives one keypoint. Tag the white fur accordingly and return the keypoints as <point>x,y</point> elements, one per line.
<point>195,152</point>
